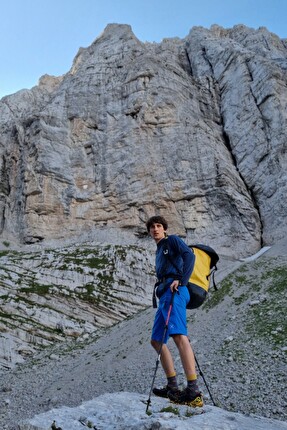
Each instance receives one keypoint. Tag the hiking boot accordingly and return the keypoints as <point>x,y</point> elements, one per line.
<point>186,397</point>
<point>163,392</point>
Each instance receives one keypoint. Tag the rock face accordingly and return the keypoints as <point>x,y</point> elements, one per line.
<point>194,129</point>
<point>52,296</point>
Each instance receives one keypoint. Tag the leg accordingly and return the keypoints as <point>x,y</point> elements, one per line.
<point>168,367</point>
<point>165,358</point>
<point>159,335</point>
<point>190,395</point>
<point>186,355</point>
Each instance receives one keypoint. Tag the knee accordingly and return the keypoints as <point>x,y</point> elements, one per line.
<point>180,340</point>
<point>155,344</point>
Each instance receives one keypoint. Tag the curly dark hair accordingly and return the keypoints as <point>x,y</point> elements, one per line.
<point>157,219</point>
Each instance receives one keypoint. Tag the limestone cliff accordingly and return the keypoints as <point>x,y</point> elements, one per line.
<point>194,129</point>
<point>58,295</point>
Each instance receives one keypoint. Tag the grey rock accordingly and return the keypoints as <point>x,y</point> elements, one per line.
<point>67,294</point>
<point>127,411</point>
<point>194,129</point>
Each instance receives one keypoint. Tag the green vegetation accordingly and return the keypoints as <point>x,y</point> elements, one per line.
<point>121,252</point>
<point>88,294</point>
<point>79,258</point>
<point>14,321</point>
<point>170,409</point>
<point>6,316</point>
<point>227,288</point>
<point>216,297</point>
<point>266,319</point>
<point>277,279</point>
<point>4,253</point>
<point>35,288</point>
<point>241,299</point>
<point>240,279</point>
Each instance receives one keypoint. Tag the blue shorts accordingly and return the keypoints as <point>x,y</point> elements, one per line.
<point>177,320</point>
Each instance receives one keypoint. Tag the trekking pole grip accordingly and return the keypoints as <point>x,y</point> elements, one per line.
<point>172,297</point>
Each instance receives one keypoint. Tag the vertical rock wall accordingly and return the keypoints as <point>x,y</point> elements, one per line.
<point>194,129</point>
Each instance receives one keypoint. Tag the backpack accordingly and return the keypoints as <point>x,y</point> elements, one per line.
<point>204,267</point>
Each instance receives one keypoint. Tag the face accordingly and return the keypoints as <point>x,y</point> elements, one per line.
<point>157,232</point>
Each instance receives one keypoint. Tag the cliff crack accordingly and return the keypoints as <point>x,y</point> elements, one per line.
<point>250,191</point>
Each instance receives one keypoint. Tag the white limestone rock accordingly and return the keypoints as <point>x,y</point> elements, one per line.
<point>193,129</point>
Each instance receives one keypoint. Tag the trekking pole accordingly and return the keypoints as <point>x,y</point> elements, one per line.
<point>160,348</point>
<point>202,375</point>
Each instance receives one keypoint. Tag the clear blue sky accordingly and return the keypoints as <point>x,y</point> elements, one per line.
<point>43,36</point>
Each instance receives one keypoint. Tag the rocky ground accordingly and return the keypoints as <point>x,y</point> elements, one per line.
<point>128,411</point>
<point>238,338</point>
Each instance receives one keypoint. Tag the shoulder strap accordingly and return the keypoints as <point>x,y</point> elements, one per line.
<point>212,273</point>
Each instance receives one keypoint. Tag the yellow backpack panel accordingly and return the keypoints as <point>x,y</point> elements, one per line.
<point>201,271</point>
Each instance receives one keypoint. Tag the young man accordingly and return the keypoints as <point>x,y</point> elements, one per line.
<point>173,278</point>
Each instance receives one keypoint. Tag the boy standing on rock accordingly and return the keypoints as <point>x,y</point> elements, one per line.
<point>173,278</point>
